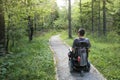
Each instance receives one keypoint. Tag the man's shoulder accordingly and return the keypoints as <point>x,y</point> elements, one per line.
<point>76,40</point>
<point>81,39</point>
<point>84,39</point>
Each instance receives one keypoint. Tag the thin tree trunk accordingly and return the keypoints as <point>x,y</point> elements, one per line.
<point>2,29</point>
<point>104,17</point>
<point>35,22</point>
<point>69,20</point>
<point>2,23</point>
<point>81,13</point>
<point>99,23</point>
<point>92,18</point>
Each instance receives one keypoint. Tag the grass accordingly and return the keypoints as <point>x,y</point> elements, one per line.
<point>104,55</point>
<point>29,60</point>
<point>34,60</point>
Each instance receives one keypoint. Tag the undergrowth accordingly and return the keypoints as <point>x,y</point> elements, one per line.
<point>29,60</point>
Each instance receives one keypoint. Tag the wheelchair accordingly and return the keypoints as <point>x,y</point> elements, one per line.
<point>78,59</point>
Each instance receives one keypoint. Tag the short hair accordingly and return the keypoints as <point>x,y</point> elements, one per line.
<point>81,31</point>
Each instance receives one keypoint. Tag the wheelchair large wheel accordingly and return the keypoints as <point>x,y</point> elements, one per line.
<point>87,67</point>
<point>70,66</point>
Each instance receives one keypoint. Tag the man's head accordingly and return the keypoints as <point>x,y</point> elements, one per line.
<point>81,32</point>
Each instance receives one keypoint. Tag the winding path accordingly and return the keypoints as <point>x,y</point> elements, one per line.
<point>60,53</point>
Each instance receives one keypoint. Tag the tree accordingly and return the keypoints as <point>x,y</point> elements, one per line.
<point>69,20</point>
<point>81,13</point>
<point>2,22</point>
<point>99,22</point>
<point>92,18</point>
<point>116,16</point>
<point>104,17</point>
<point>2,26</point>
<point>30,26</point>
<point>16,14</point>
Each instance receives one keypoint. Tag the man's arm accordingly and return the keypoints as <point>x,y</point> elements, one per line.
<point>89,45</point>
<point>74,45</point>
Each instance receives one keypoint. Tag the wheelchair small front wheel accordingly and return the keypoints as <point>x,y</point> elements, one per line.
<point>87,67</point>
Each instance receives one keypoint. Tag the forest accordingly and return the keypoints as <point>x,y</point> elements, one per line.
<point>27,25</point>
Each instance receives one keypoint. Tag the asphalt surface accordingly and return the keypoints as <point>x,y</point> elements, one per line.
<point>62,68</point>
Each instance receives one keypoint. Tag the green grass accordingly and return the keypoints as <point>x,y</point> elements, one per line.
<point>105,56</point>
<point>29,60</point>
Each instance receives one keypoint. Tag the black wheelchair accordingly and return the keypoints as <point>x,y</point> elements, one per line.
<point>78,59</point>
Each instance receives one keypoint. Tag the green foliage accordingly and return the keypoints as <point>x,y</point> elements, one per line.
<point>29,61</point>
<point>104,55</point>
<point>60,24</point>
<point>42,12</point>
<point>76,23</point>
<point>61,21</point>
<point>83,17</point>
<point>113,37</point>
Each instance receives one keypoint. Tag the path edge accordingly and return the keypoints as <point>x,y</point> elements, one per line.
<point>55,63</point>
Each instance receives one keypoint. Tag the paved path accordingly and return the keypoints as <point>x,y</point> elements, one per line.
<point>61,58</point>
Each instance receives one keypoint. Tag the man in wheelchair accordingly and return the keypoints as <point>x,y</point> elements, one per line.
<point>78,56</point>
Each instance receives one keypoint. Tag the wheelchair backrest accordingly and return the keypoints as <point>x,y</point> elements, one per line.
<point>82,44</point>
<point>81,48</point>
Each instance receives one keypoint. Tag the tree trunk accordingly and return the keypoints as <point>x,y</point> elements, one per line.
<point>92,18</point>
<point>30,26</point>
<point>69,20</point>
<point>99,23</point>
<point>104,17</point>
<point>81,12</point>
<point>2,30</point>
<point>2,23</point>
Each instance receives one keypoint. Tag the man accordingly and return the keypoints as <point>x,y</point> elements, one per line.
<point>81,33</point>
<point>76,48</point>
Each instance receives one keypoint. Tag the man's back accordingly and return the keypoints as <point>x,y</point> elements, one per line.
<point>78,42</point>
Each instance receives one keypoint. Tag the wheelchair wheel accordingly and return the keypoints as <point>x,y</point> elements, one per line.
<point>70,66</point>
<point>87,67</point>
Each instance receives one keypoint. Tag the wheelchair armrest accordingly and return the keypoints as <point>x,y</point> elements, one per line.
<point>70,49</point>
